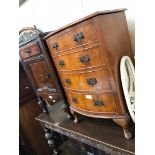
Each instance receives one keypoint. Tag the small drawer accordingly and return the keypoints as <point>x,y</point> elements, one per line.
<point>94,80</point>
<point>89,57</point>
<point>72,37</point>
<point>29,50</point>
<point>102,102</point>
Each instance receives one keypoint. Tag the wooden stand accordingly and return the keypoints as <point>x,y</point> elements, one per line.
<point>101,134</point>
<point>51,142</point>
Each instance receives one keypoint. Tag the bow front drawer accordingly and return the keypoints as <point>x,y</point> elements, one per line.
<point>72,37</point>
<point>102,102</point>
<point>80,59</point>
<point>92,80</point>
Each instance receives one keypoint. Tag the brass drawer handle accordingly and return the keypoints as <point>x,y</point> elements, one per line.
<point>74,100</point>
<point>78,37</point>
<point>85,59</point>
<point>91,81</point>
<point>68,81</point>
<point>61,63</point>
<point>55,45</point>
<point>98,103</point>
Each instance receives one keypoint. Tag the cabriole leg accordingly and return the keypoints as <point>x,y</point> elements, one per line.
<point>75,117</point>
<point>123,122</point>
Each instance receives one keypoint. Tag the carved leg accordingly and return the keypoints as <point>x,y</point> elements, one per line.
<point>67,111</point>
<point>42,104</point>
<point>51,142</point>
<point>75,117</point>
<point>123,122</point>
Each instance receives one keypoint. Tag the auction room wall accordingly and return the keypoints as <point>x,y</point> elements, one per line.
<point>50,15</point>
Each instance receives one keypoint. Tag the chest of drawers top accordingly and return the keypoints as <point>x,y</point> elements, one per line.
<point>83,19</point>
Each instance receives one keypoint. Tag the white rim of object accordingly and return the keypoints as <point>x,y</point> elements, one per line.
<point>127,72</point>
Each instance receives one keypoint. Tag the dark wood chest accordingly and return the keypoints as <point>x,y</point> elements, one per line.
<point>87,56</point>
<point>40,68</point>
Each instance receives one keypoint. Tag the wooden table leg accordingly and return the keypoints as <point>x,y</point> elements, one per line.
<point>51,141</point>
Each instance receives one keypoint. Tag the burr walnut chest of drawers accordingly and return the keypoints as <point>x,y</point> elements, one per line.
<point>87,56</point>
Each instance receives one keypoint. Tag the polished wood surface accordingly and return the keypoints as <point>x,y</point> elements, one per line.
<point>80,50</point>
<point>92,53</point>
<point>42,74</point>
<point>99,133</point>
<point>81,80</point>
<point>30,50</point>
<point>65,39</point>
<point>106,102</point>
<point>85,18</point>
<point>116,38</point>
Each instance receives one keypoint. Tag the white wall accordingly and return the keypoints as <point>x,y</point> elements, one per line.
<point>50,15</point>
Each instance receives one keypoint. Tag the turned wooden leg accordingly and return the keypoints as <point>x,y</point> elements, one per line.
<point>67,111</point>
<point>123,122</point>
<point>42,104</point>
<point>51,141</point>
<point>75,117</point>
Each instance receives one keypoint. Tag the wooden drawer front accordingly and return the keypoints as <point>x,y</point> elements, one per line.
<point>42,74</point>
<point>78,60</point>
<point>29,50</point>
<point>88,81</point>
<point>93,102</point>
<point>80,103</point>
<point>65,40</point>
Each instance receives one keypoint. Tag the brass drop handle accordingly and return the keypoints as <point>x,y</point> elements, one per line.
<point>55,45</point>
<point>91,81</point>
<point>61,63</point>
<point>84,59</point>
<point>98,103</point>
<point>74,100</point>
<point>68,81</point>
<point>78,37</point>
